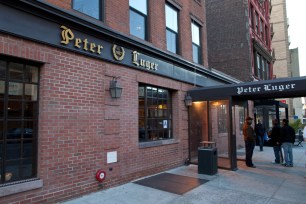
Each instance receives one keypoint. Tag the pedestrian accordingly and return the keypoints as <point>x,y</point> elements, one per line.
<point>287,134</point>
<point>260,132</point>
<point>249,139</point>
<point>276,142</point>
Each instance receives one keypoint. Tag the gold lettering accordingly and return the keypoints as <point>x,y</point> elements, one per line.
<point>67,35</point>
<point>92,47</point>
<point>99,49</point>
<point>85,41</point>
<point>77,42</point>
<point>134,58</point>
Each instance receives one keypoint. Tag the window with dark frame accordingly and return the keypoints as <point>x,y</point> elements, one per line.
<point>261,29</point>
<point>155,113</point>
<point>196,43</point>
<point>252,17</point>
<point>172,28</point>
<point>258,66</point>
<point>19,84</point>
<point>138,18</point>
<point>91,8</point>
<point>256,23</point>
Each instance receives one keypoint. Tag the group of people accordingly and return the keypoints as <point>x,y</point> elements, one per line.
<point>281,137</point>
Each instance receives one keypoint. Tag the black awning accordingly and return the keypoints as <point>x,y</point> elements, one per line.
<point>265,89</point>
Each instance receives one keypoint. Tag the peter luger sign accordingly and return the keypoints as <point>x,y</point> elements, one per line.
<point>264,88</point>
<point>118,52</point>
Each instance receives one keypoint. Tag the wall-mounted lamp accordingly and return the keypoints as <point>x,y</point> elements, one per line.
<point>188,100</point>
<point>115,88</point>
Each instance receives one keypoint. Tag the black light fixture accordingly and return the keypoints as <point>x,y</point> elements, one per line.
<point>188,100</point>
<point>115,89</point>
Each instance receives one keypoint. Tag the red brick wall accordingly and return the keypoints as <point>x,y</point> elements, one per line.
<point>79,123</point>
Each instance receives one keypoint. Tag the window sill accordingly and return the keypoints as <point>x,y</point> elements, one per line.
<point>157,143</point>
<point>20,187</point>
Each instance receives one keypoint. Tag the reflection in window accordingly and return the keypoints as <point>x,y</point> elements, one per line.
<point>18,121</point>
<point>91,8</point>
<point>138,18</point>
<point>155,121</point>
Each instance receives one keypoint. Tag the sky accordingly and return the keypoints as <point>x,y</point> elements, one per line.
<point>297,29</point>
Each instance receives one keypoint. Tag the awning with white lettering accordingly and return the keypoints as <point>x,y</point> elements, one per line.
<point>265,89</point>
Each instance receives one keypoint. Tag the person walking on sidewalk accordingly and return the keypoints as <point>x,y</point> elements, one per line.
<point>276,142</point>
<point>249,139</point>
<point>260,132</point>
<point>287,134</point>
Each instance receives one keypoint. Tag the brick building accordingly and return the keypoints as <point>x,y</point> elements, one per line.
<point>99,85</point>
<point>239,38</point>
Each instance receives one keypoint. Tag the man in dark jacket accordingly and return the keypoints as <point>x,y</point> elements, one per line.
<point>260,131</point>
<point>249,139</point>
<point>275,141</point>
<point>287,138</point>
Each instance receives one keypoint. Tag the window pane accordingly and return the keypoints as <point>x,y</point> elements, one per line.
<point>90,8</point>
<point>195,30</point>
<point>14,109</point>
<point>137,25</point>
<point>12,171</point>
<point>27,168</point>
<point>30,92</point>
<point>2,89</point>
<point>30,109</point>
<point>196,53</point>
<point>140,5</point>
<point>31,74</point>
<point>171,41</point>
<point>13,150</point>
<point>2,69</point>
<point>27,148</point>
<point>1,108</point>
<point>16,71</point>
<point>28,130</point>
<point>15,90</point>
<point>14,130</point>
<point>171,18</point>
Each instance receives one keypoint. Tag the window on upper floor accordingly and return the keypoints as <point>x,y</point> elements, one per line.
<point>138,18</point>
<point>262,30</point>
<point>252,17</point>
<point>196,42</point>
<point>155,113</point>
<point>91,8</point>
<point>19,84</point>
<point>262,67</point>
<point>267,35</point>
<point>256,23</point>
<point>172,28</point>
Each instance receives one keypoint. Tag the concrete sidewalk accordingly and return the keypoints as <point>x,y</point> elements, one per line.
<point>268,183</point>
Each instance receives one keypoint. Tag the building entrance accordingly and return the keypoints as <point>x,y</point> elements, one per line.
<point>218,113</point>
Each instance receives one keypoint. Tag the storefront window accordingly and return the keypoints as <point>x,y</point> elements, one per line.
<point>155,118</point>
<point>18,121</point>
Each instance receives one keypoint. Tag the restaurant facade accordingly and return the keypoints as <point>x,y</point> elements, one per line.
<point>84,107</point>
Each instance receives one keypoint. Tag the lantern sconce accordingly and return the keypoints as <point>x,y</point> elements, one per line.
<point>115,89</point>
<point>188,100</point>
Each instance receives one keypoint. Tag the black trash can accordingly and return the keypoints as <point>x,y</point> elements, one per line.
<point>207,159</point>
